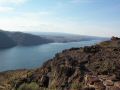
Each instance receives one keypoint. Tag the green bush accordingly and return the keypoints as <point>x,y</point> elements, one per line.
<point>76,86</point>
<point>104,44</point>
<point>31,86</point>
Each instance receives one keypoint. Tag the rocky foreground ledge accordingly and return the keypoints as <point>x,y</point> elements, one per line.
<point>90,68</point>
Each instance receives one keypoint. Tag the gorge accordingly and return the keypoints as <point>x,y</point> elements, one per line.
<point>89,68</point>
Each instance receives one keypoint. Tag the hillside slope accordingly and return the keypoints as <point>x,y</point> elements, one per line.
<point>90,68</point>
<point>11,39</point>
<point>5,41</point>
<point>65,37</point>
<point>25,39</point>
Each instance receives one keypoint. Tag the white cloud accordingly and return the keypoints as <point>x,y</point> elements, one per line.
<point>6,9</point>
<point>12,1</point>
<point>36,14</point>
<point>37,21</point>
<point>8,5</point>
<point>25,21</point>
<point>81,1</point>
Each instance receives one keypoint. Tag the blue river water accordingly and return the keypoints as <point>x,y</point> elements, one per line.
<point>34,56</point>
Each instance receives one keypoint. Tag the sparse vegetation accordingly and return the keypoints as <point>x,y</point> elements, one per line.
<point>76,86</point>
<point>31,86</point>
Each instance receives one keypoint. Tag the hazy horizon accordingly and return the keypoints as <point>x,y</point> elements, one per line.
<point>83,17</point>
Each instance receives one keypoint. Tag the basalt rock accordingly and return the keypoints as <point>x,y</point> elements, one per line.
<point>91,49</point>
<point>115,38</point>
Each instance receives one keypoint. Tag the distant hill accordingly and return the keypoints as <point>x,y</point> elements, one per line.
<point>10,39</point>
<point>25,39</point>
<point>5,41</point>
<point>65,37</point>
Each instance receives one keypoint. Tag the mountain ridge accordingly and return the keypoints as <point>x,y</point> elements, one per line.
<point>21,39</point>
<point>31,39</point>
<point>66,37</point>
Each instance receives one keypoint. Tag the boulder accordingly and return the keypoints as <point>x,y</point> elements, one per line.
<point>91,49</point>
<point>115,38</point>
<point>117,84</point>
<point>108,83</point>
<point>99,86</point>
<point>44,82</point>
<point>112,88</point>
<point>92,80</point>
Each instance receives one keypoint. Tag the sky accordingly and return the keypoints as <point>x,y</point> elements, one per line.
<point>84,17</point>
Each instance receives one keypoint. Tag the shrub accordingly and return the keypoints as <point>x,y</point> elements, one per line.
<point>31,86</point>
<point>76,86</point>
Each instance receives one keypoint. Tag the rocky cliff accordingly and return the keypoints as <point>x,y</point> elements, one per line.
<point>90,68</point>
